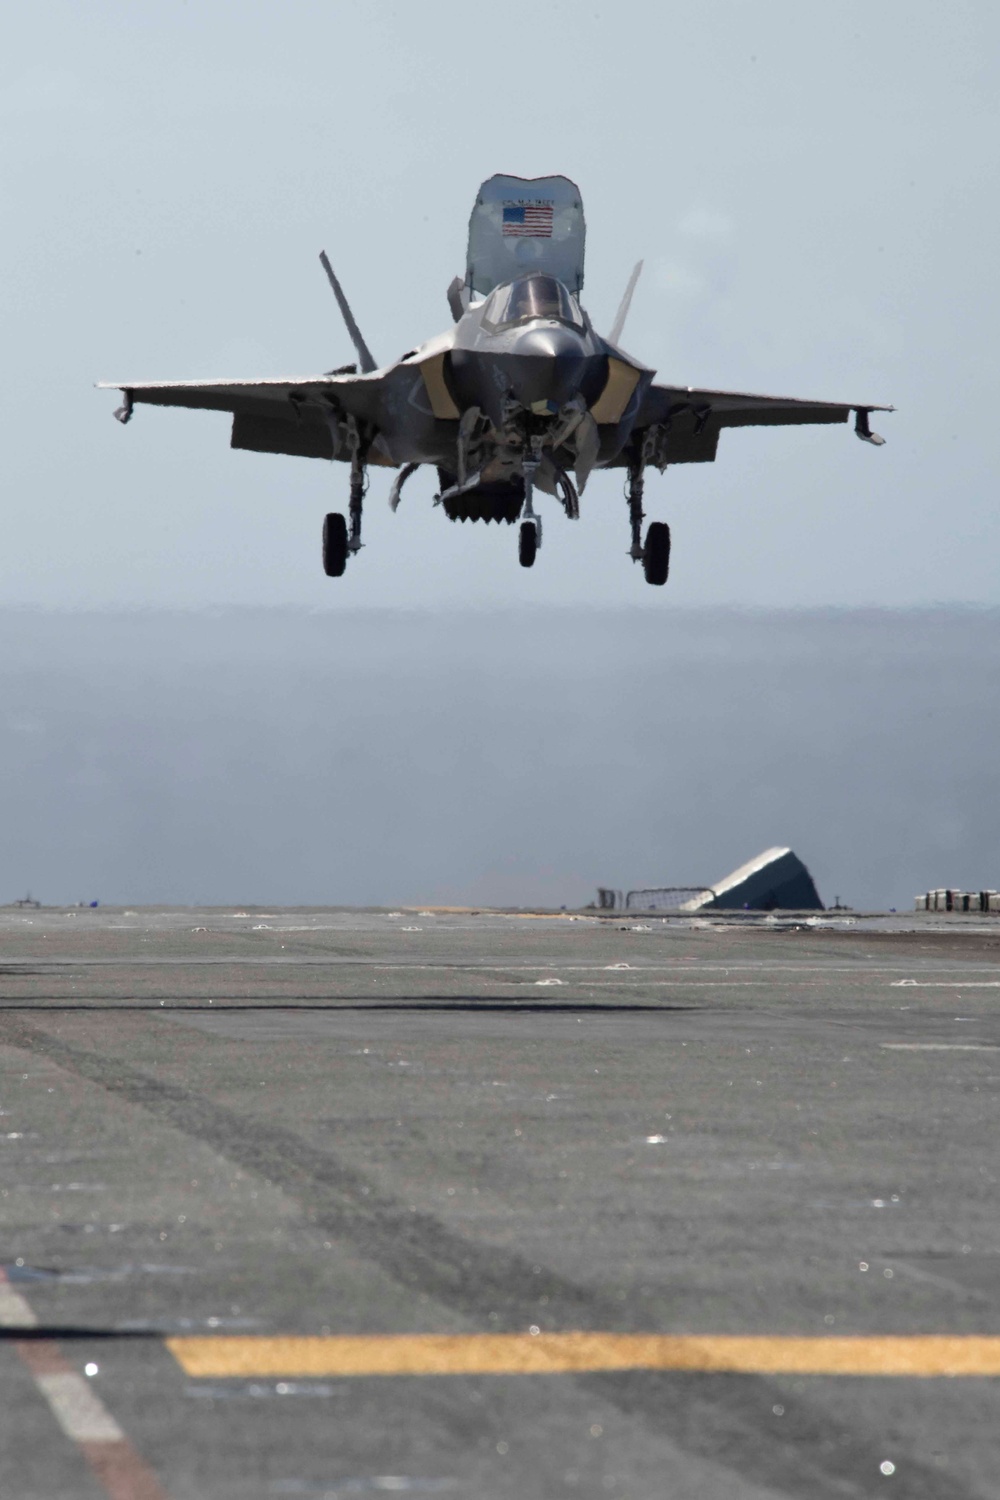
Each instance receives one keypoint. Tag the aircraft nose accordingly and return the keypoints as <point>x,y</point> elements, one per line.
<point>549,343</point>
<point>547,365</point>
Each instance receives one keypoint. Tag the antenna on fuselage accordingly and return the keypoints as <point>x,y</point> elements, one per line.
<point>626,302</point>
<point>365,360</point>
<point>458,298</point>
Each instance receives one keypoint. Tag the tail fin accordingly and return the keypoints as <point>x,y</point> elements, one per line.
<point>365,360</point>
<point>626,302</point>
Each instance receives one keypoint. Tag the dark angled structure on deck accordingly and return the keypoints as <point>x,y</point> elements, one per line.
<point>776,879</point>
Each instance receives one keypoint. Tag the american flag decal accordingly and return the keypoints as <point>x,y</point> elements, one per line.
<point>528,219</point>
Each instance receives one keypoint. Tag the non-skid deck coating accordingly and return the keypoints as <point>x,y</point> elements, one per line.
<point>619,1207</point>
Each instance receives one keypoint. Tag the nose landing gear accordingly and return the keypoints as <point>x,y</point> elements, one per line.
<point>527,544</point>
<point>529,537</point>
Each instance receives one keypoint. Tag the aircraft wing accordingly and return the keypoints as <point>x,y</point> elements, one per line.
<point>685,422</point>
<point>306,416</point>
<point>288,397</point>
<point>341,414</point>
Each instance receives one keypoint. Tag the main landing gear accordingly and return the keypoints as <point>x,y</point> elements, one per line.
<point>655,553</point>
<point>339,541</point>
<point>335,545</point>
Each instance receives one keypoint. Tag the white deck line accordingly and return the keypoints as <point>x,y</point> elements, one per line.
<point>77,1408</point>
<point>943,984</point>
<point>15,1311</point>
<point>939,1047</point>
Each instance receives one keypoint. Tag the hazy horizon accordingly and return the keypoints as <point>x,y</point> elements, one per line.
<point>507,757</point>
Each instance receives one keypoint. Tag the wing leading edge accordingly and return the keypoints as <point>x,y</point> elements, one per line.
<point>262,397</point>
<point>681,424</point>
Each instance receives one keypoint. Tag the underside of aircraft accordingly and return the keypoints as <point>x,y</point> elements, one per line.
<point>522,395</point>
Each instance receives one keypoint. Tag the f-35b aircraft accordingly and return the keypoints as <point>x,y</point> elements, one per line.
<point>521,395</point>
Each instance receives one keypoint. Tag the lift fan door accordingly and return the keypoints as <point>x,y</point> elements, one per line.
<point>523,224</point>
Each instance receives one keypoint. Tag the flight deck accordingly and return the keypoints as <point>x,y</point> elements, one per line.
<point>339,1203</point>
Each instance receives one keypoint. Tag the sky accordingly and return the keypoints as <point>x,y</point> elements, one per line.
<point>190,710</point>
<point>812,189</point>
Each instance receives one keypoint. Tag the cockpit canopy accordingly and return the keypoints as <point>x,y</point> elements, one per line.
<point>529,297</point>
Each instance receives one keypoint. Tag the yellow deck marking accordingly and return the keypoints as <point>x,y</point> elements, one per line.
<point>555,1353</point>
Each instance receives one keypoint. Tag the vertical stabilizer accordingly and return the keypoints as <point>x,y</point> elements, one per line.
<point>366,362</point>
<point>626,303</point>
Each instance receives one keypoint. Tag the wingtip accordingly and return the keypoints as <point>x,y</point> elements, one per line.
<point>862,426</point>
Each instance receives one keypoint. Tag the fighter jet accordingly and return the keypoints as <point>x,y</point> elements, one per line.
<point>521,396</point>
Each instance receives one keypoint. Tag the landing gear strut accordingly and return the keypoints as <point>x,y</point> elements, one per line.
<point>530,535</point>
<point>339,542</point>
<point>655,553</point>
<point>636,484</point>
<point>359,484</point>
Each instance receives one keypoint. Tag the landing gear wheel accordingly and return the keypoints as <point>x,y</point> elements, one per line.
<point>656,553</point>
<point>334,545</point>
<point>527,544</point>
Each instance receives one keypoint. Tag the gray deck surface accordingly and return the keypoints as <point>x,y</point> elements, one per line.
<point>328,1122</point>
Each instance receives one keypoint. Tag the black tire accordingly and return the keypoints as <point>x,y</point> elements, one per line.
<point>656,553</point>
<point>527,544</point>
<point>334,546</point>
